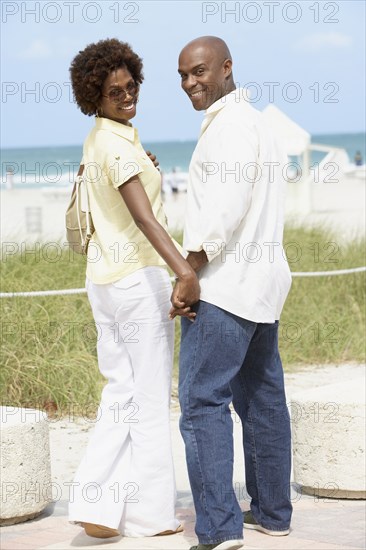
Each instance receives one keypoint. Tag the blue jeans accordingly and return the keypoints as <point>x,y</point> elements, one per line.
<point>224,359</point>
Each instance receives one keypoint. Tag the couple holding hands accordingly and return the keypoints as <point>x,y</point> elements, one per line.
<point>229,291</point>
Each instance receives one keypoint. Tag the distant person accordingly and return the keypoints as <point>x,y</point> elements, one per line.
<point>125,482</point>
<point>229,354</point>
<point>174,181</point>
<point>358,158</point>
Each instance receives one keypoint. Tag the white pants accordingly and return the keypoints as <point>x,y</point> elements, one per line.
<point>126,478</point>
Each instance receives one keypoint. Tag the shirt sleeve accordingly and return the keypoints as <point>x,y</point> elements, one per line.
<point>122,162</point>
<point>228,176</point>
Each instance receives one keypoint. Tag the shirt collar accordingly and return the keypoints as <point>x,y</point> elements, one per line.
<point>239,95</point>
<point>123,130</point>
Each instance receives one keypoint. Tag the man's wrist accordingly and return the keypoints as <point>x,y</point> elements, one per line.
<point>197,259</point>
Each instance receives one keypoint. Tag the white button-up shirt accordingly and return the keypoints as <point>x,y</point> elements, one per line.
<point>235,211</point>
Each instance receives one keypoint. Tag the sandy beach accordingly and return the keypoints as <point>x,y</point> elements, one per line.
<point>38,215</point>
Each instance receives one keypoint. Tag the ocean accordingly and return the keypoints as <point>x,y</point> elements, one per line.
<point>36,167</point>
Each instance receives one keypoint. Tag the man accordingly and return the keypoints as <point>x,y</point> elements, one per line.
<point>233,233</point>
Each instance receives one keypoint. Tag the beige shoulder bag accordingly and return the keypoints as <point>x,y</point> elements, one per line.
<point>79,223</point>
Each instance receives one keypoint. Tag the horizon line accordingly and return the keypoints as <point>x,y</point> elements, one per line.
<point>159,141</point>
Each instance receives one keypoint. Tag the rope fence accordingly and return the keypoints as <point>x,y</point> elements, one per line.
<point>83,290</point>
<point>328,273</point>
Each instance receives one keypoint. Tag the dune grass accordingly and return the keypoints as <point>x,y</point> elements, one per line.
<point>323,320</point>
<point>48,343</point>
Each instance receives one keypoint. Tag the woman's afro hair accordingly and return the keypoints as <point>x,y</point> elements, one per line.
<point>92,65</point>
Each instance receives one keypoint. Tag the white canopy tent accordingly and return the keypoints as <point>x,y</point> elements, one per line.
<point>296,142</point>
<point>295,139</point>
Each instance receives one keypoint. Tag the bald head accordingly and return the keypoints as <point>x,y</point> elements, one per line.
<point>205,66</point>
<point>214,44</point>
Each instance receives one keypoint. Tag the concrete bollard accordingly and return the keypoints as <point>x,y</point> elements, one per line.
<point>25,488</point>
<point>328,434</point>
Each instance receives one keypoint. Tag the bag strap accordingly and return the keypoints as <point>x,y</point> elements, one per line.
<point>77,190</point>
<point>79,174</point>
<point>88,212</point>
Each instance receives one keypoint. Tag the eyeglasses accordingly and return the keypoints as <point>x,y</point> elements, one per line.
<point>116,95</point>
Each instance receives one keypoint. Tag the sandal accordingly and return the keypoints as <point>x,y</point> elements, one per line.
<point>99,531</point>
<point>179,529</point>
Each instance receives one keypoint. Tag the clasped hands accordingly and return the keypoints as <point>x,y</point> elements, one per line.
<point>186,291</point>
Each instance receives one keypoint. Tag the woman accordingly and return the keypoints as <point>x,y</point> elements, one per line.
<point>125,482</point>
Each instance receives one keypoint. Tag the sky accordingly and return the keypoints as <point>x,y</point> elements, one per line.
<point>306,57</point>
